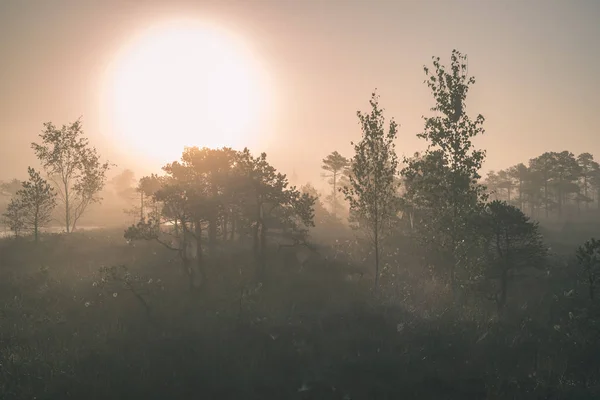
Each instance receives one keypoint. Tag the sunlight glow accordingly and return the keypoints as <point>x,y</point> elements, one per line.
<point>185,84</point>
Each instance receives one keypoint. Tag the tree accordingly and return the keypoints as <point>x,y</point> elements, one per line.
<point>73,166</point>
<point>566,173</point>
<point>588,256</point>
<point>269,200</point>
<point>558,174</point>
<point>147,188</point>
<point>123,184</point>
<point>14,216</point>
<point>588,168</point>
<point>335,164</point>
<point>518,173</point>
<point>595,184</point>
<point>10,188</point>
<point>492,184</point>
<point>372,189</point>
<point>442,183</point>
<point>38,200</point>
<point>322,217</point>
<point>511,242</point>
<point>542,167</point>
<point>506,183</point>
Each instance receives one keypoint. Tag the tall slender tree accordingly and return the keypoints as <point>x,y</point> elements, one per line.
<point>449,167</point>
<point>372,191</point>
<point>518,174</point>
<point>588,168</point>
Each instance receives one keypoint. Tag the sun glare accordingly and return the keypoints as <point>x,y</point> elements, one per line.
<point>185,84</point>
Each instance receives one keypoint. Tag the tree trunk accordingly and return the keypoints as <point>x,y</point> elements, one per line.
<point>520,193</point>
<point>233,227</point>
<point>67,213</point>
<point>546,197</point>
<point>376,257</point>
<point>334,197</point>
<point>263,248</point>
<point>212,234</point>
<point>224,225</point>
<point>503,290</point>
<point>141,206</point>
<point>255,231</point>
<point>199,258</point>
<point>585,192</point>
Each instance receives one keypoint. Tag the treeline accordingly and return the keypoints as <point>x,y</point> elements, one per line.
<point>553,183</point>
<point>435,200</point>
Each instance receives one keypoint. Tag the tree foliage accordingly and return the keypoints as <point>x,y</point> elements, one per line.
<point>73,166</point>
<point>372,191</point>
<point>511,242</point>
<point>32,206</point>
<point>39,200</point>
<point>14,217</point>
<point>442,185</point>
<point>335,166</point>
<point>223,190</point>
<point>588,256</point>
<point>10,188</point>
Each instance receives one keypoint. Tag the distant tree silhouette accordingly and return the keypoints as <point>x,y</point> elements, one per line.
<point>124,184</point>
<point>511,242</point>
<point>335,164</point>
<point>31,207</point>
<point>73,166</point>
<point>38,199</point>
<point>14,217</point>
<point>519,174</point>
<point>588,168</point>
<point>147,188</point>
<point>10,188</point>
<point>372,191</point>
<point>588,256</point>
<point>492,184</point>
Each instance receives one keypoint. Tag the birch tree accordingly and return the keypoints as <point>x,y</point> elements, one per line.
<point>74,167</point>
<point>372,188</point>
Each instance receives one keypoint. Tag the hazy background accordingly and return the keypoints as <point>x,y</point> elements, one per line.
<point>536,63</point>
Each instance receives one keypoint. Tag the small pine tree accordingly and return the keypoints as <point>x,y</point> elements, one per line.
<point>38,199</point>
<point>14,216</point>
<point>335,164</point>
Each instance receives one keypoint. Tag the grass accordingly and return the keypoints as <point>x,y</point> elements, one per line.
<point>64,333</point>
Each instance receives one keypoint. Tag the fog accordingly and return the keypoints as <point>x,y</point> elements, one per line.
<point>299,200</point>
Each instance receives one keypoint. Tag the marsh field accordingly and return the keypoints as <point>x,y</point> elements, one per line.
<point>69,330</point>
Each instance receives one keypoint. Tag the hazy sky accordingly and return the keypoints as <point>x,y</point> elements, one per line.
<point>536,64</point>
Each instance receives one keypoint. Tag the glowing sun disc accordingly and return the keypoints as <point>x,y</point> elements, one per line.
<point>185,83</point>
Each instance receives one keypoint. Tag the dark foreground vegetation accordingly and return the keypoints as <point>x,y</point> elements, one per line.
<point>405,281</point>
<point>303,334</point>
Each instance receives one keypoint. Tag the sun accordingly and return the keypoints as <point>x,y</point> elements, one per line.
<point>184,83</point>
